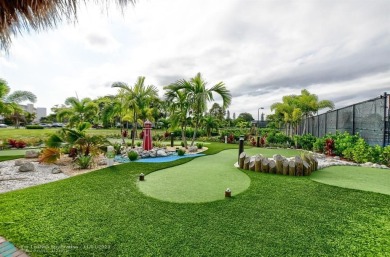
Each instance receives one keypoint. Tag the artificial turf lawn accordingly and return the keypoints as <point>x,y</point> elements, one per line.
<point>204,179</point>
<point>102,213</point>
<point>362,178</point>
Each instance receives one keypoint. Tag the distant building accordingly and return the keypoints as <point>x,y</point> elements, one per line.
<point>40,112</point>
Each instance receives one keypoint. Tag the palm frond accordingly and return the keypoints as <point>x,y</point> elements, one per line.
<point>16,15</point>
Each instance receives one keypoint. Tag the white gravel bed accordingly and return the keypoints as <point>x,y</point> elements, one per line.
<point>11,179</point>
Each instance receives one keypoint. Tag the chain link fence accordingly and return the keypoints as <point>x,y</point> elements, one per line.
<point>369,118</point>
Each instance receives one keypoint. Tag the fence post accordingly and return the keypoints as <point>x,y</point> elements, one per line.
<point>384,119</point>
<point>353,119</point>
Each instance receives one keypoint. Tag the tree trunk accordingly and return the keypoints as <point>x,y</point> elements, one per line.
<point>299,166</point>
<point>246,163</point>
<point>279,163</point>
<point>285,167</point>
<point>291,168</point>
<point>252,165</point>
<point>272,167</point>
<point>258,160</point>
<point>241,160</point>
<point>183,136</point>
<point>265,165</point>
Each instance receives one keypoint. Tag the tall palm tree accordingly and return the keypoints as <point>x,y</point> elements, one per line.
<point>288,112</point>
<point>137,99</point>
<point>179,106</point>
<point>9,103</point>
<point>79,111</point>
<point>310,105</point>
<point>37,15</point>
<point>199,96</point>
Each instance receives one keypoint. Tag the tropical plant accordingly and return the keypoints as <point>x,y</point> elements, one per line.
<point>288,112</point>
<point>83,161</point>
<point>199,95</point>
<point>77,138</point>
<point>179,107</point>
<point>309,105</point>
<point>199,145</point>
<point>137,100</point>
<point>49,155</point>
<point>209,123</point>
<point>78,111</point>
<point>9,103</point>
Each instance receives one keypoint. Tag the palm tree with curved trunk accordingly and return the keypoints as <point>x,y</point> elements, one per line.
<point>79,111</point>
<point>9,103</point>
<point>198,96</point>
<point>179,106</point>
<point>137,99</point>
<point>310,105</point>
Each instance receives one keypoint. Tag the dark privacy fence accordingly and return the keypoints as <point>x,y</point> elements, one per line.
<point>369,118</point>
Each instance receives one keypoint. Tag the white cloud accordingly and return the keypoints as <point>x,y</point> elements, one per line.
<point>262,50</point>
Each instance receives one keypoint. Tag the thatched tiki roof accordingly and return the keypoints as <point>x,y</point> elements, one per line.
<point>16,15</point>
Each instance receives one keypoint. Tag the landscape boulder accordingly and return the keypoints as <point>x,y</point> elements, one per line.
<point>161,153</point>
<point>27,167</point>
<point>31,154</point>
<point>19,162</point>
<point>56,170</point>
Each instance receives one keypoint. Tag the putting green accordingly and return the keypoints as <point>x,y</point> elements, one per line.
<point>362,178</point>
<point>203,179</point>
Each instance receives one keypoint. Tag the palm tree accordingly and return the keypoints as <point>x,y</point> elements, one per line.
<point>9,103</point>
<point>179,107</point>
<point>288,112</point>
<point>198,96</point>
<point>209,123</point>
<point>78,111</point>
<point>137,100</point>
<point>310,105</point>
<point>37,15</point>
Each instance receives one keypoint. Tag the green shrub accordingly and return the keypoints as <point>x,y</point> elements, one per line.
<point>278,138</point>
<point>361,152</point>
<point>138,144</point>
<point>385,157</point>
<point>375,153</point>
<point>34,127</point>
<point>199,145</point>
<point>181,152</point>
<point>182,144</point>
<point>305,141</point>
<point>319,145</point>
<point>343,141</point>
<point>132,155</point>
<point>83,161</point>
<point>117,148</point>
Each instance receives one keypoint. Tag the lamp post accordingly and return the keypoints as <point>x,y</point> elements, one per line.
<point>258,116</point>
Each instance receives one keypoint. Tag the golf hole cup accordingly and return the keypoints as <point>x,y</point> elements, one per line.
<point>141,177</point>
<point>110,155</point>
<point>228,192</point>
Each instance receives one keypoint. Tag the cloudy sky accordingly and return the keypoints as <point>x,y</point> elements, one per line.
<point>261,50</point>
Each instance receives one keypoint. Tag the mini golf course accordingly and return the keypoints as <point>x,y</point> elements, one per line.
<point>361,178</point>
<point>204,179</point>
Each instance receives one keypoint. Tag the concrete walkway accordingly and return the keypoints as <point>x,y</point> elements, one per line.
<point>7,249</point>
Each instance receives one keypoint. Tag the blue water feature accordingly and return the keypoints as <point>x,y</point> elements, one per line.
<point>169,158</point>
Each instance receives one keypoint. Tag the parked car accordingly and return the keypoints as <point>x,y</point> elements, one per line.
<point>57,125</point>
<point>45,125</point>
<point>3,125</point>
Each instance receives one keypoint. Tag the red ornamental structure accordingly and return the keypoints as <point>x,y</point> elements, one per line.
<point>147,144</point>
